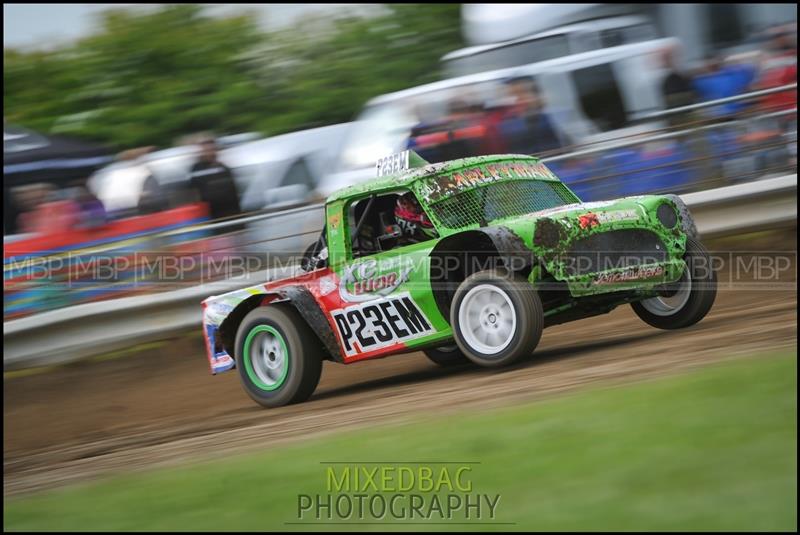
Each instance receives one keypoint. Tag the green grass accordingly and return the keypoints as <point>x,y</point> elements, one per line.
<point>712,449</point>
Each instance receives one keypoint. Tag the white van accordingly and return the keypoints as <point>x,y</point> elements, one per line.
<point>550,44</point>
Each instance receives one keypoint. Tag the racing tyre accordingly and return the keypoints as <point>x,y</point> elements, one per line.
<point>278,356</point>
<point>691,297</point>
<point>497,318</point>
<point>446,355</point>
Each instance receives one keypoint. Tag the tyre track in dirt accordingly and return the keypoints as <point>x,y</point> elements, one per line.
<point>162,408</point>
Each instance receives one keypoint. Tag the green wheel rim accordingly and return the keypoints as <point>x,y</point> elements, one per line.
<point>266,357</point>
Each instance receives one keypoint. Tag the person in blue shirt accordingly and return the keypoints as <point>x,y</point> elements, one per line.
<point>720,81</point>
<point>527,128</point>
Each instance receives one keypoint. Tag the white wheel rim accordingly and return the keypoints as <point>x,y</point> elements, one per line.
<point>667,306</point>
<point>487,319</point>
<point>268,358</point>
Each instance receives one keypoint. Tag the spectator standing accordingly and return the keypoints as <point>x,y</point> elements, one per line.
<point>492,119</point>
<point>464,130</point>
<point>677,89</point>
<point>779,68</point>
<point>213,183</point>
<point>92,212</point>
<point>718,81</point>
<point>127,187</point>
<point>527,129</point>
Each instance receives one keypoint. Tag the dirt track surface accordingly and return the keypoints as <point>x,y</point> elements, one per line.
<point>163,407</point>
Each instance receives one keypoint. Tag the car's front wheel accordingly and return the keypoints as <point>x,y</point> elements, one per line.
<point>689,299</point>
<point>278,356</point>
<point>497,318</point>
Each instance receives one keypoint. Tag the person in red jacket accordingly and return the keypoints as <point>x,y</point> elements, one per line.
<point>780,68</point>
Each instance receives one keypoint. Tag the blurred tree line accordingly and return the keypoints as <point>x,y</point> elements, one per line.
<point>147,78</point>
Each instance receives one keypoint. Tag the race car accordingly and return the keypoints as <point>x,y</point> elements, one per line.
<point>466,260</point>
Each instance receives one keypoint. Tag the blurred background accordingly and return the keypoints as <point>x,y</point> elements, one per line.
<point>138,136</point>
<point>125,124</point>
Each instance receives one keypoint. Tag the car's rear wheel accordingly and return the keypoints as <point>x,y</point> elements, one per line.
<point>689,299</point>
<point>446,355</point>
<point>497,318</point>
<point>278,356</point>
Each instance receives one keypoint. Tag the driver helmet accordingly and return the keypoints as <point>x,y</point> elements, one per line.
<point>411,217</point>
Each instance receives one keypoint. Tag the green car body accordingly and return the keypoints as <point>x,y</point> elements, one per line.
<point>541,254</point>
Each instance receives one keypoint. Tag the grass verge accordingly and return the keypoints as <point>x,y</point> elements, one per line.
<point>713,449</point>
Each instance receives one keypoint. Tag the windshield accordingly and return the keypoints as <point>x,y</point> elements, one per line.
<point>500,200</point>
